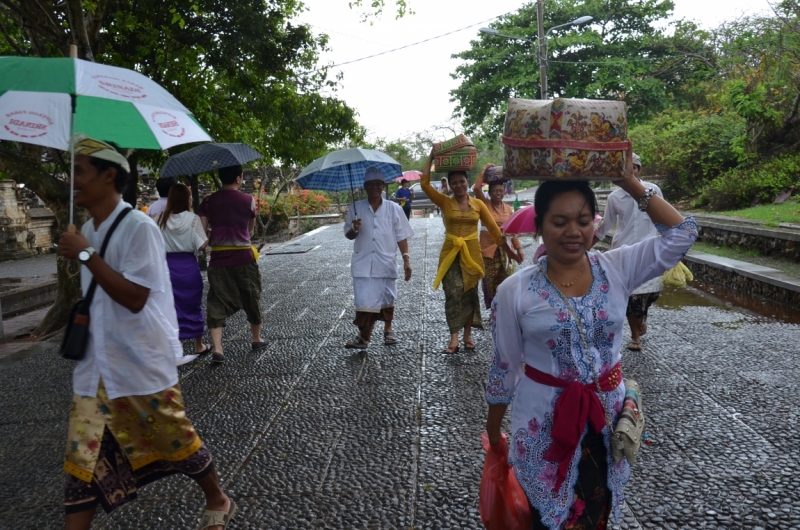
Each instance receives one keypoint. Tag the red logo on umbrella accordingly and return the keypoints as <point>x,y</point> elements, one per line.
<point>27,124</point>
<point>120,87</point>
<point>168,123</point>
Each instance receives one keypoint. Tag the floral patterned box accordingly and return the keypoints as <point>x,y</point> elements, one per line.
<point>456,154</point>
<point>569,139</point>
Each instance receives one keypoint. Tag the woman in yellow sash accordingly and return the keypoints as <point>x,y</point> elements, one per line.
<point>460,261</point>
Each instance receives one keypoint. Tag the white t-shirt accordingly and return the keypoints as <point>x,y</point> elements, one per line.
<point>184,233</point>
<point>633,226</point>
<point>134,353</point>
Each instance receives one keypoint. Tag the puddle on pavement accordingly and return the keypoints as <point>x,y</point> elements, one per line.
<point>701,294</point>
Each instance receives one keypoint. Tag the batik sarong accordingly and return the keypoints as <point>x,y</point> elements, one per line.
<point>592,497</point>
<point>460,306</point>
<point>115,446</point>
<point>496,272</point>
<point>187,289</point>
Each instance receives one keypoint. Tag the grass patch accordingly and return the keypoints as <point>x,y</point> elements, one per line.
<point>771,214</point>
<point>749,255</point>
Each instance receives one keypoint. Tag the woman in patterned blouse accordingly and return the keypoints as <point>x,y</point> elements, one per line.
<point>557,329</point>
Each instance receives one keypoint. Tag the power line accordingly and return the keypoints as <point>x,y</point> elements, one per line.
<point>418,42</point>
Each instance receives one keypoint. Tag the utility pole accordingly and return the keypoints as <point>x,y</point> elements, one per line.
<point>542,48</point>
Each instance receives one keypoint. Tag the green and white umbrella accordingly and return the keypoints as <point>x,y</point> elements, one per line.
<point>45,101</point>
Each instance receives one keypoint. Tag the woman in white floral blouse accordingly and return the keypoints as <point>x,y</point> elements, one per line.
<point>560,444</point>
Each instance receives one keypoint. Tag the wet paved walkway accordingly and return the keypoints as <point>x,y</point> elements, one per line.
<point>309,435</point>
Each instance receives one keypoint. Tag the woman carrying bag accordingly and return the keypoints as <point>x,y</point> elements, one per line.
<point>557,329</point>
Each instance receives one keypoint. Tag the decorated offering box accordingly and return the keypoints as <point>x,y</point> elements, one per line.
<point>569,139</point>
<point>456,154</point>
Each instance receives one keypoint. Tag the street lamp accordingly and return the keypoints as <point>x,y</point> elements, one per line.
<point>542,41</point>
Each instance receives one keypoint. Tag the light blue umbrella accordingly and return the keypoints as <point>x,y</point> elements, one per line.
<point>344,170</point>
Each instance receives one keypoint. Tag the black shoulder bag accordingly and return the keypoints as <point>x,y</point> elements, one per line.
<point>76,335</point>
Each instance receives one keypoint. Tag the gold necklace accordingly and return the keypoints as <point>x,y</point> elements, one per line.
<point>570,284</point>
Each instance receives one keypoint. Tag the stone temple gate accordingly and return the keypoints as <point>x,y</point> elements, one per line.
<point>26,226</point>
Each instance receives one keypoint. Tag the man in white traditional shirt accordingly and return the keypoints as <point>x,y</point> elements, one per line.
<point>378,227</point>
<point>633,226</point>
<point>163,185</point>
<point>128,424</point>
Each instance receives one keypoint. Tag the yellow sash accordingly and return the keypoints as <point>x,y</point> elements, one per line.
<point>459,245</point>
<point>251,248</point>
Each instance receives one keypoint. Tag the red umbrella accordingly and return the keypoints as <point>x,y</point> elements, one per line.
<point>520,222</point>
<point>409,175</point>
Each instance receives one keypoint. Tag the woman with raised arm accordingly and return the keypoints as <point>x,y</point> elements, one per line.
<point>460,261</point>
<point>557,329</point>
<point>495,261</point>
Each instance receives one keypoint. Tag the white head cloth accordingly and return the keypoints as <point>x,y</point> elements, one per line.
<point>99,149</point>
<point>374,174</point>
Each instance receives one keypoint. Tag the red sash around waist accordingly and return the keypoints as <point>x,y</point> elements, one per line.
<point>577,405</point>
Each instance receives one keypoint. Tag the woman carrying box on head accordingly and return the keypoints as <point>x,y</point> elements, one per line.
<point>460,261</point>
<point>494,259</point>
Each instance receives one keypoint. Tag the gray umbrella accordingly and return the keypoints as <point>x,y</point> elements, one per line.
<point>208,157</point>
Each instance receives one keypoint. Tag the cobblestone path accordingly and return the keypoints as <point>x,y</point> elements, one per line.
<point>307,434</point>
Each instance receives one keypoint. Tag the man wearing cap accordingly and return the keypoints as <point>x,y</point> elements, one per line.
<point>127,425</point>
<point>633,226</point>
<point>378,228</point>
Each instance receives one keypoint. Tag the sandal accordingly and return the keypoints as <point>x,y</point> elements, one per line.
<point>451,350</point>
<point>217,357</point>
<point>469,345</point>
<point>642,328</point>
<point>389,339</point>
<point>212,518</point>
<point>358,343</point>
<point>635,345</point>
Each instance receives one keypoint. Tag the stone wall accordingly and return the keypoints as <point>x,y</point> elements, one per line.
<point>734,281</point>
<point>768,241</point>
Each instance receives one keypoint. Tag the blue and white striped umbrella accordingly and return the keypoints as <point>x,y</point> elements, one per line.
<point>344,170</point>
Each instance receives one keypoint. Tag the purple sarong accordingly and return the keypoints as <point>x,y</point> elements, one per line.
<point>187,288</point>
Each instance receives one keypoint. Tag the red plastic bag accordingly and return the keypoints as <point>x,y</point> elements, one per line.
<point>503,504</point>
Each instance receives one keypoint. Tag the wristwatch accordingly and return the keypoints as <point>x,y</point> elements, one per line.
<point>644,200</point>
<point>85,254</point>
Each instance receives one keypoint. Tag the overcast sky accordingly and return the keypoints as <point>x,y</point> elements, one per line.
<point>408,90</point>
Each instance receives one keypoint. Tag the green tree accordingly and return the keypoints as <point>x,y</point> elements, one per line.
<point>243,68</point>
<point>622,54</point>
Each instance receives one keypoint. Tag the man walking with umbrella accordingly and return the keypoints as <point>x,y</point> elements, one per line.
<point>127,425</point>
<point>233,276</point>
<point>383,229</point>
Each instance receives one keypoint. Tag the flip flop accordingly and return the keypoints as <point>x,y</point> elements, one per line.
<point>217,358</point>
<point>451,351</point>
<point>389,339</point>
<point>212,518</point>
<point>469,345</point>
<point>642,328</point>
<point>358,343</point>
<point>635,345</point>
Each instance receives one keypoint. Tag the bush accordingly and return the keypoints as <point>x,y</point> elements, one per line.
<point>688,149</point>
<point>305,201</point>
<point>743,186</point>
